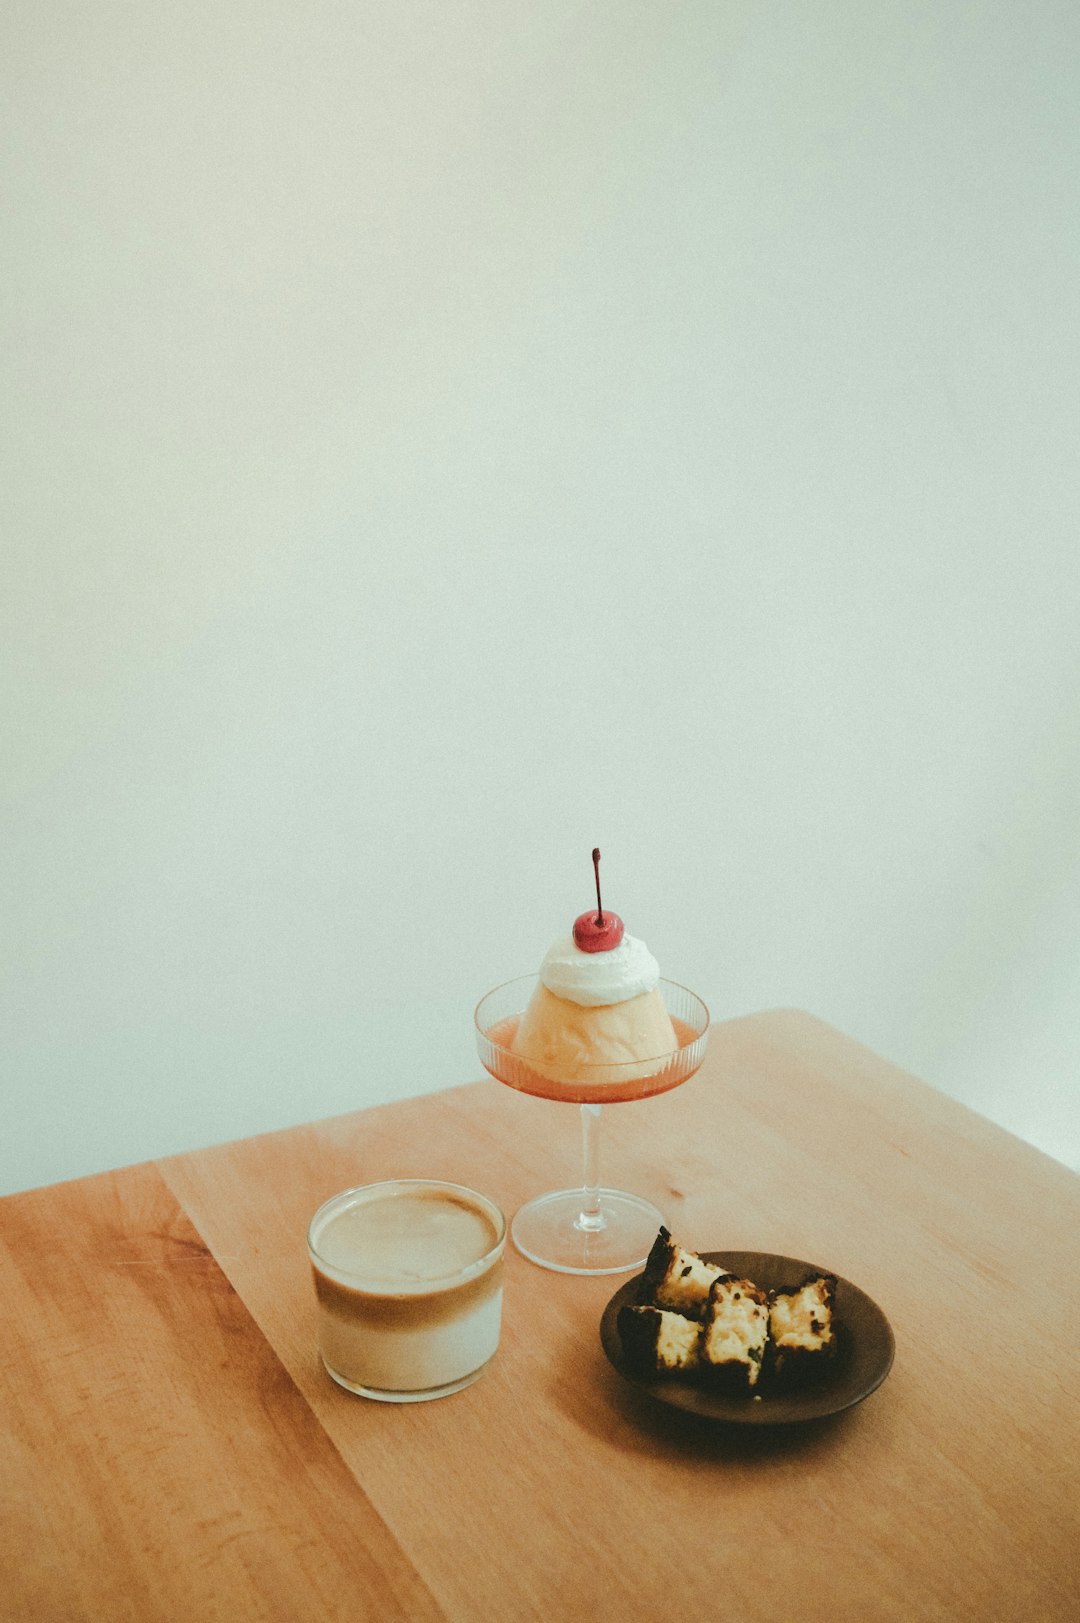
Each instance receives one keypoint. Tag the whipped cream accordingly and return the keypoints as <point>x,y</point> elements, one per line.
<point>594,978</point>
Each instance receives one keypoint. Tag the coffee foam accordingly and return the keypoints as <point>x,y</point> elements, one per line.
<point>403,1239</point>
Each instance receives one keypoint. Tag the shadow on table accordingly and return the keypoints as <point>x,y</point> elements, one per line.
<point>598,1402</point>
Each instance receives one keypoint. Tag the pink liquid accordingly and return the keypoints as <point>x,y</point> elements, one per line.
<point>517,1073</point>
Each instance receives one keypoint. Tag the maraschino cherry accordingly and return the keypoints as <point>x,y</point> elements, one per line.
<point>599,931</point>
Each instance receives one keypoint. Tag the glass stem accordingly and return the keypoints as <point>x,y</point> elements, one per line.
<point>592,1219</point>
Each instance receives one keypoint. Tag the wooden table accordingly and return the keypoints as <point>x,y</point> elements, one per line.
<point>171,1447</point>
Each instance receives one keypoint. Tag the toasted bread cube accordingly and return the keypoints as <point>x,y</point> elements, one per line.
<point>676,1279</point>
<point>802,1326</point>
<point>656,1342</point>
<point>735,1332</point>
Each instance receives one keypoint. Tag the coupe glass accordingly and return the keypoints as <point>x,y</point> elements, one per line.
<point>588,1230</point>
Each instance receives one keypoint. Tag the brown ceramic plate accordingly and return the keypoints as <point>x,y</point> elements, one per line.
<point>863,1357</point>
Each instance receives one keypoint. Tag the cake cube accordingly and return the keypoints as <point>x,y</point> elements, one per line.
<point>677,1279</point>
<point>735,1333</point>
<point>658,1342</point>
<point>802,1327</point>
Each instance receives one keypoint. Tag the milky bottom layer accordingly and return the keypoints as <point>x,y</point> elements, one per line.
<point>567,1042</point>
<point>411,1351</point>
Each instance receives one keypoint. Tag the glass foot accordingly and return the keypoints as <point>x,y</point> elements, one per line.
<point>552,1232</point>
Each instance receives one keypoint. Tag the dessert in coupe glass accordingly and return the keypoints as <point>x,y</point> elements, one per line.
<point>598,1025</point>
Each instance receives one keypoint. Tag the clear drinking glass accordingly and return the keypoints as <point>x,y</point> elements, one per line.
<point>408,1280</point>
<point>588,1230</point>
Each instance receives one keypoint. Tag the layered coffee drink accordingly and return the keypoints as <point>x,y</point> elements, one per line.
<point>408,1277</point>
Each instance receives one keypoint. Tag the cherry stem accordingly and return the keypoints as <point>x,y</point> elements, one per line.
<point>599,903</point>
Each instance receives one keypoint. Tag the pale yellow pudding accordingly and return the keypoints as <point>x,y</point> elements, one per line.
<point>602,1043</point>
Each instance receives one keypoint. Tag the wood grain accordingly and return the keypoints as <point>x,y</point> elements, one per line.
<point>550,1489</point>
<point>157,1460</point>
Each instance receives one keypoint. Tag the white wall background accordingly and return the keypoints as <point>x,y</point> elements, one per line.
<point>438,437</point>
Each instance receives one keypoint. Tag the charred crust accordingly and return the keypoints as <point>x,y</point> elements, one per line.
<point>738,1287</point>
<point>656,1265</point>
<point>733,1376</point>
<point>639,1331</point>
<point>672,1278</point>
<point>799,1366</point>
<point>827,1282</point>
